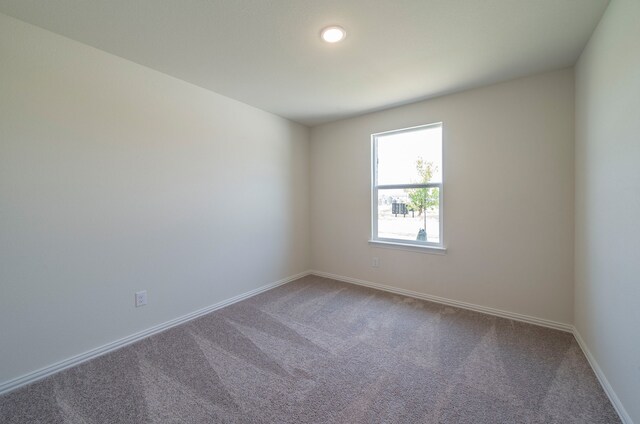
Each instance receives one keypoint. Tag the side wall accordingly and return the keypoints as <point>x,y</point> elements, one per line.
<point>508,199</point>
<point>116,178</point>
<point>607,290</point>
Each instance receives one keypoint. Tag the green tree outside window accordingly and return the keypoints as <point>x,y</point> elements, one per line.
<point>424,199</point>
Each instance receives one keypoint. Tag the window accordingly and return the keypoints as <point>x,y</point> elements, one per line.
<point>407,186</point>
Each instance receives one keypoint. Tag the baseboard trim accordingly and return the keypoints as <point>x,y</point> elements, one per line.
<point>450,302</point>
<point>41,373</point>
<point>615,401</point>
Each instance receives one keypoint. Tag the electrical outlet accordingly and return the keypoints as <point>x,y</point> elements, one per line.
<point>141,298</point>
<point>375,262</point>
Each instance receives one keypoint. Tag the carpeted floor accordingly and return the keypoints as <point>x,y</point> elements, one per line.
<point>321,351</point>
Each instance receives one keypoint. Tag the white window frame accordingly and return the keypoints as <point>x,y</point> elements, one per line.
<point>429,247</point>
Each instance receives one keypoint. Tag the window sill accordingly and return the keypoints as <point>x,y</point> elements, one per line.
<point>433,250</point>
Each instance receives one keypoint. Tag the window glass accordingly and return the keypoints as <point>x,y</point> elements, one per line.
<point>407,186</point>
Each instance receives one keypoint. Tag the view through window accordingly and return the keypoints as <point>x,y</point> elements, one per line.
<point>407,185</point>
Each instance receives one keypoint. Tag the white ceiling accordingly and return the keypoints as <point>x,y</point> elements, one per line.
<point>268,53</point>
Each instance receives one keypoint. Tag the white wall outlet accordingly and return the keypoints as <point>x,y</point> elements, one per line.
<point>141,298</point>
<point>375,262</point>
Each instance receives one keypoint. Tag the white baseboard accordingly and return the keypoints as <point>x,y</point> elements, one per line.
<point>34,376</point>
<point>615,401</point>
<point>450,302</point>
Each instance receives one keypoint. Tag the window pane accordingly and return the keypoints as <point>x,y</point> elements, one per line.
<point>409,214</point>
<point>410,157</point>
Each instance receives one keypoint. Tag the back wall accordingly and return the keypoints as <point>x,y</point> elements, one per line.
<point>508,198</point>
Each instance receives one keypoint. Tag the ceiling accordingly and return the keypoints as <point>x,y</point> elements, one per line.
<point>268,53</point>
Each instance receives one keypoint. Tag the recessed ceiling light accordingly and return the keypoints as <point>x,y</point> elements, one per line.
<point>333,34</point>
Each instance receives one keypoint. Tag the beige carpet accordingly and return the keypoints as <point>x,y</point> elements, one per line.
<point>321,351</point>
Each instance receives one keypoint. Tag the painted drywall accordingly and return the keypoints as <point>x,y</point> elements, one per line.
<point>508,198</point>
<point>116,178</point>
<point>607,234</point>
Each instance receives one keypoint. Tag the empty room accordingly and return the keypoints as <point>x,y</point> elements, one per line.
<point>320,211</point>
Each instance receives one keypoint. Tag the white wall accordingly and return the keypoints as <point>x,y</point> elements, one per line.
<point>607,262</point>
<point>508,199</point>
<point>116,178</point>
